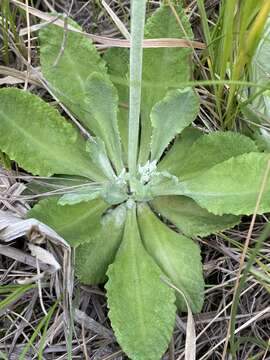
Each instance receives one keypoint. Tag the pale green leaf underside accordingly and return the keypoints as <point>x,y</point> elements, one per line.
<point>163,68</point>
<point>190,218</point>
<point>258,109</point>
<point>231,187</point>
<point>102,102</point>
<point>213,149</point>
<point>82,193</point>
<point>260,65</point>
<point>112,193</point>
<point>93,257</point>
<point>141,306</point>
<point>78,197</point>
<point>97,152</point>
<point>259,73</point>
<point>178,256</point>
<point>40,139</point>
<point>75,223</point>
<point>170,116</point>
<point>68,76</point>
<point>163,184</point>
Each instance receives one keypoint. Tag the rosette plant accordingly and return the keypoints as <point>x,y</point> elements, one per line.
<point>143,168</point>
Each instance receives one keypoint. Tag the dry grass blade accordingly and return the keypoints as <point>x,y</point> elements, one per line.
<point>121,26</point>
<point>14,227</point>
<point>110,42</point>
<point>81,318</point>
<point>44,256</point>
<point>190,344</point>
<point>240,328</point>
<point>10,194</point>
<point>14,76</point>
<point>22,257</point>
<point>242,260</point>
<point>10,80</point>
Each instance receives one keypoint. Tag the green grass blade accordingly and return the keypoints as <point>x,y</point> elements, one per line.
<point>3,356</point>
<point>226,44</point>
<point>206,28</point>
<point>44,322</point>
<point>16,294</point>
<point>43,338</point>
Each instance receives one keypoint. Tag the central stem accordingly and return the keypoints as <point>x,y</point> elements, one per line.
<point>136,54</point>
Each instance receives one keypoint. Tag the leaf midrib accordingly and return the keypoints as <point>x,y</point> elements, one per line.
<point>136,268</point>
<point>32,138</point>
<point>78,220</point>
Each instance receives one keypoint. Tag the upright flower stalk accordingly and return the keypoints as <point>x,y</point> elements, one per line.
<point>136,55</point>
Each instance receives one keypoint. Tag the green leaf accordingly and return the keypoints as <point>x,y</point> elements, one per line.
<point>117,60</point>
<point>67,71</point>
<point>98,154</point>
<point>231,187</point>
<point>179,150</point>
<point>163,68</point>
<point>190,218</point>
<point>39,139</point>
<point>178,256</point>
<point>80,65</point>
<point>114,192</point>
<point>170,116</point>
<point>93,257</point>
<point>210,150</point>
<point>142,310</point>
<point>75,223</point>
<point>102,102</point>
